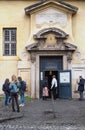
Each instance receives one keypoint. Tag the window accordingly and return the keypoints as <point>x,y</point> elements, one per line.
<point>9,41</point>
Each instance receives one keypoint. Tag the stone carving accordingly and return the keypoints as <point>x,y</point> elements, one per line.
<point>41,43</point>
<point>51,16</point>
<point>51,39</point>
<point>33,57</point>
<point>69,57</point>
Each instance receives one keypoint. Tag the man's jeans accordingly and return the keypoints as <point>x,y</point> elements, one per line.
<point>22,97</point>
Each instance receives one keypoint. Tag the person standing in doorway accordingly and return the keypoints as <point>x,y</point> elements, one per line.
<point>45,89</point>
<point>54,87</point>
<point>81,87</point>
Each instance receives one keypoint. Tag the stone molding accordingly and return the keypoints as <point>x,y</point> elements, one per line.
<point>63,5</point>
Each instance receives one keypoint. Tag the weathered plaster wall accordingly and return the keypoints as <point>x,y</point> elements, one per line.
<point>12,14</point>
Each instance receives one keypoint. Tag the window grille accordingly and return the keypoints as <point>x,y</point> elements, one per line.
<point>9,41</point>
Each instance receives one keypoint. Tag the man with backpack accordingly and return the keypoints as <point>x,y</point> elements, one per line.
<point>22,89</point>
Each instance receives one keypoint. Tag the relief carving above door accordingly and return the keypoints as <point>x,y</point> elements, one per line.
<point>51,39</point>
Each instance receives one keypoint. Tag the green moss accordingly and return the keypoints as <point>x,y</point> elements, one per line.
<point>28,98</point>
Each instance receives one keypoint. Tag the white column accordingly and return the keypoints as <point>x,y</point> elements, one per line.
<point>37,77</point>
<point>33,80</point>
<point>65,64</point>
<point>70,65</point>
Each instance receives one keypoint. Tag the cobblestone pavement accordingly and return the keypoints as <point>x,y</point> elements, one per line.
<point>45,115</point>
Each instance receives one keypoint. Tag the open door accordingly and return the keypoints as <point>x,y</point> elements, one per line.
<point>49,74</point>
<point>65,84</point>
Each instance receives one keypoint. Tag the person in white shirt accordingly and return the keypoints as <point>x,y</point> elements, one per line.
<point>54,86</point>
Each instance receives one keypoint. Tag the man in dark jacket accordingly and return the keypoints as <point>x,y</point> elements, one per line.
<point>81,87</point>
<point>6,90</point>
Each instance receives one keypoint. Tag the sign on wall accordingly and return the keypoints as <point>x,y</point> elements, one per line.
<point>64,77</point>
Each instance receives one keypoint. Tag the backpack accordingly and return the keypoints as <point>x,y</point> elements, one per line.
<point>23,85</point>
<point>14,88</point>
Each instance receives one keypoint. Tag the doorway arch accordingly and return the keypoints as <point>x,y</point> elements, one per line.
<point>38,49</point>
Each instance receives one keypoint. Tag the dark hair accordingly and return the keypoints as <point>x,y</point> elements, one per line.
<point>54,76</point>
<point>19,78</point>
<point>7,80</point>
<point>80,76</point>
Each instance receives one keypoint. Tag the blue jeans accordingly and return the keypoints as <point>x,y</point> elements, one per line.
<point>22,97</point>
<point>6,99</point>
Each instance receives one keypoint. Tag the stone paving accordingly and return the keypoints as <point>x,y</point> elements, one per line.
<point>61,114</point>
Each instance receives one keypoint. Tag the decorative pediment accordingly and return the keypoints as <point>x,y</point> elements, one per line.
<point>51,39</point>
<point>58,33</point>
<point>47,3</point>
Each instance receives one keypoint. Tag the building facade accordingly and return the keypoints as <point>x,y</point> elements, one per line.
<point>40,38</point>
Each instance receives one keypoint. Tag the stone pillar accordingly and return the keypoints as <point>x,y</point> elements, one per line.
<point>33,74</point>
<point>69,59</point>
<point>37,77</point>
<point>65,64</point>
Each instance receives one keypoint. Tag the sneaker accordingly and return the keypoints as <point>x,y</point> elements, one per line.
<point>20,105</point>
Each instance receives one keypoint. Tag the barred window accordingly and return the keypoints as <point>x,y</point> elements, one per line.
<point>9,41</point>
